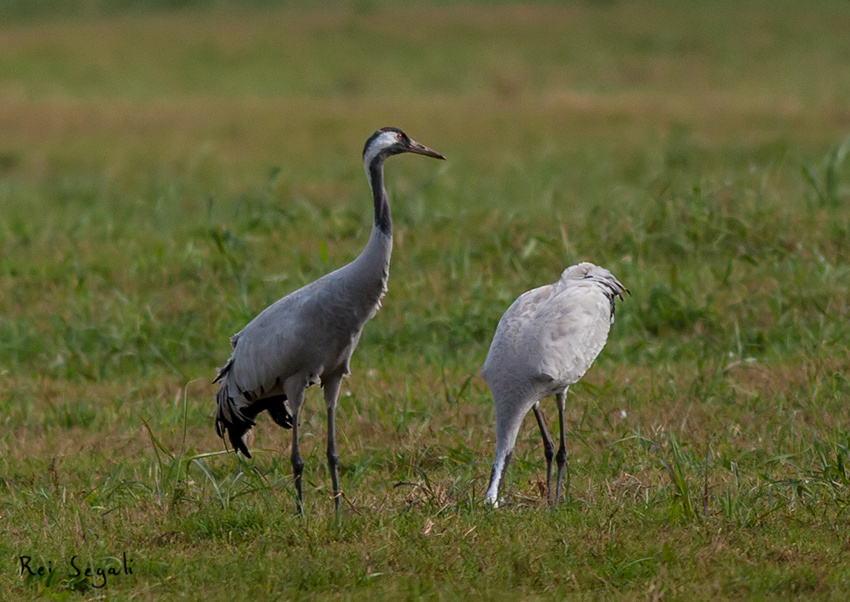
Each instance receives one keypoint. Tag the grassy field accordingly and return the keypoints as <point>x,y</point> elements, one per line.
<point>168,171</point>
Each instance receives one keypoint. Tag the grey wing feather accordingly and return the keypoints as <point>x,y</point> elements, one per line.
<point>514,349</point>
<point>553,333</point>
<point>310,334</point>
<point>250,380</point>
<point>577,320</point>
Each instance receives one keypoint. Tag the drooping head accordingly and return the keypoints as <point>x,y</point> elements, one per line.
<point>392,141</point>
<point>589,272</point>
<point>582,270</point>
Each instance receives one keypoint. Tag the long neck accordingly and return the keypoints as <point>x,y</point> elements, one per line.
<point>375,173</point>
<point>374,261</point>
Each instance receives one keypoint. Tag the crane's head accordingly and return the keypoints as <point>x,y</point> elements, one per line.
<point>392,141</point>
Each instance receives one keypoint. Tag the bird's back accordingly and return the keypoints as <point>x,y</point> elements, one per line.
<point>313,329</point>
<point>311,332</point>
<point>549,336</point>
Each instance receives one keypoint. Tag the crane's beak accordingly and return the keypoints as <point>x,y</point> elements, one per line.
<point>421,149</point>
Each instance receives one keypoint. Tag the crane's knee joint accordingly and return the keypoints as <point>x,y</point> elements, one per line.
<point>548,453</point>
<point>297,465</point>
<point>333,459</point>
<point>562,456</point>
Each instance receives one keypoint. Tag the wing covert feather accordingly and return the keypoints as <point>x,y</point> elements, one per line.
<point>554,333</point>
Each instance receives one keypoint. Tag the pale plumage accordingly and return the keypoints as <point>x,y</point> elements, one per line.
<point>546,341</point>
<point>308,337</point>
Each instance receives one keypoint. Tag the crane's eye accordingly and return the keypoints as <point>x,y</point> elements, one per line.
<point>399,136</point>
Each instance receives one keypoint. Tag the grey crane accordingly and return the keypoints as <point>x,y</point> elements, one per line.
<point>545,342</point>
<point>308,336</point>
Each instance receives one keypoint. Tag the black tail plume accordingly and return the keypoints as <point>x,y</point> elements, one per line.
<point>228,419</point>
<point>236,421</point>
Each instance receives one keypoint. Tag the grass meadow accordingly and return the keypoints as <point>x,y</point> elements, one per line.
<point>168,169</point>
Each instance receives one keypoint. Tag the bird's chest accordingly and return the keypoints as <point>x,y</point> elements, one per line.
<point>354,305</point>
<point>342,321</point>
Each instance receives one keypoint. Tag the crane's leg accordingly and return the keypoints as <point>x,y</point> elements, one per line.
<point>297,463</point>
<point>548,449</point>
<point>508,419</point>
<point>497,475</point>
<point>331,387</point>
<point>294,388</point>
<point>561,458</point>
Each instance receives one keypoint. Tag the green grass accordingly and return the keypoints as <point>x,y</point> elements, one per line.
<point>168,170</point>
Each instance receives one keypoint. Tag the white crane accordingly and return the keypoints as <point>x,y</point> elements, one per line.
<point>308,336</point>
<point>545,342</point>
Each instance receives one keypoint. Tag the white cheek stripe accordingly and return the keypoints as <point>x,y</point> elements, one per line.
<point>385,140</point>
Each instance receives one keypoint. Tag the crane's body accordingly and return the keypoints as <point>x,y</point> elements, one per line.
<point>545,342</point>
<point>281,339</point>
<point>308,336</point>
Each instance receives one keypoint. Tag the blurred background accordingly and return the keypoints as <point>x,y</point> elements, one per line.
<point>146,143</point>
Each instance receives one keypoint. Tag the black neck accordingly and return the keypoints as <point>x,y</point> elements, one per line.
<point>383,220</point>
